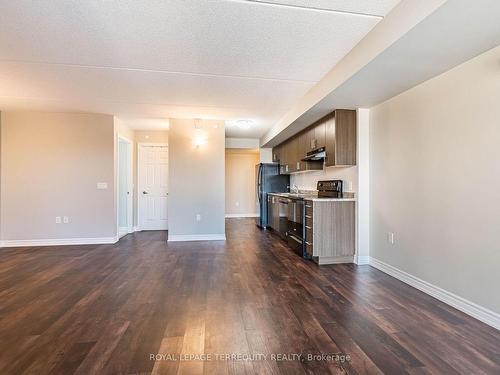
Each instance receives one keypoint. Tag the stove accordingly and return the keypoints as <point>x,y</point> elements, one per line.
<point>330,189</point>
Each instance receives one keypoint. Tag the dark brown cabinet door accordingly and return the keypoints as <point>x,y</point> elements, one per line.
<point>330,142</point>
<point>302,149</point>
<point>319,134</point>
<point>345,137</point>
<point>293,155</point>
<point>285,157</point>
<point>276,154</point>
<point>341,138</point>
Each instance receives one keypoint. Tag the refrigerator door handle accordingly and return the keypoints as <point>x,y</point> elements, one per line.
<point>259,184</point>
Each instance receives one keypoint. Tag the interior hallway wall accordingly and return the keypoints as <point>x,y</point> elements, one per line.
<point>240,182</point>
<point>435,178</point>
<point>196,179</point>
<point>50,166</point>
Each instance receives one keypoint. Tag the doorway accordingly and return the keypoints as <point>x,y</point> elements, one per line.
<point>152,170</point>
<point>125,187</point>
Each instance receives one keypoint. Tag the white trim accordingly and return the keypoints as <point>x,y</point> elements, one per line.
<point>123,231</point>
<point>136,229</point>
<point>59,242</point>
<point>241,215</point>
<point>130,198</point>
<point>196,237</point>
<point>361,260</point>
<point>470,308</point>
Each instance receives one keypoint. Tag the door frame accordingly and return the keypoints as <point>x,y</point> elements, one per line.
<point>139,146</point>
<point>130,198</point>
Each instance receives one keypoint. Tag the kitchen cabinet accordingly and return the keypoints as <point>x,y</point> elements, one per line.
<point>294,155</point>
<point>285,157</point>
<point>276,154</point>
<point>291,153</point>
<point>330,231</point>
<point>340,145</point>
<point>320,134</point>
<point>335,132</point>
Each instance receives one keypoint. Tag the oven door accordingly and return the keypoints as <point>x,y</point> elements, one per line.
<point>295,236</point>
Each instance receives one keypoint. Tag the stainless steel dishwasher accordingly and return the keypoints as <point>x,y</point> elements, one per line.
<point>283,217</point>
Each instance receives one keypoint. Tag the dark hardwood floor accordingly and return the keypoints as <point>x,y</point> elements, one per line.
<point>107,309</point>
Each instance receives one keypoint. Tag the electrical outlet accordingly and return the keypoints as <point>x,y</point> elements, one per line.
<point>65,220</point>
<point>390,237</point>
<point>237,204</point>
<point>58,219</point>
<point>349,185</point>
<point>198,217</point>
<point>102,185</point>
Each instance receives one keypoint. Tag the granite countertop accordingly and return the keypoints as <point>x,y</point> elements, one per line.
<point>313,196</point>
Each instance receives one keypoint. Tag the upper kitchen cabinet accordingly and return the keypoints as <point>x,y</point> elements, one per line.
<point>340,145</point>
<point>314,137</point>
<point>277,154</point>
<point>336,132</point>
<point>320,135</point>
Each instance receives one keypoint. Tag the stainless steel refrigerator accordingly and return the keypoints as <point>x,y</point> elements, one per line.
<point>268,180</point>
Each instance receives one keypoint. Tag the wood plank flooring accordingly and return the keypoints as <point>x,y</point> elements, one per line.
<point>107,309</point>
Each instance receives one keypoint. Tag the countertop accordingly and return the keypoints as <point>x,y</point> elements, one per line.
<point>313,196</point>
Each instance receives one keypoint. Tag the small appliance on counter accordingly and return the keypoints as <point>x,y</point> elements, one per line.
<point>268,180</point>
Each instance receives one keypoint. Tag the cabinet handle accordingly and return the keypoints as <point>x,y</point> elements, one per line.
<point>309,217</point>
<point>308,227</point>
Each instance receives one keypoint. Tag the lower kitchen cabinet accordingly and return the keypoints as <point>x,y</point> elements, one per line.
<point>330,231</point>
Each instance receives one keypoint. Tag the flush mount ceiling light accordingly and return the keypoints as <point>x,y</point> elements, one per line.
<point>244,124</point>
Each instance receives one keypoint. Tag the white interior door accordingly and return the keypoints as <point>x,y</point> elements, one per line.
<point>153,187</point>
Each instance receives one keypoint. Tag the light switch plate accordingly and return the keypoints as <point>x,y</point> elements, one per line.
<point>102,185</point>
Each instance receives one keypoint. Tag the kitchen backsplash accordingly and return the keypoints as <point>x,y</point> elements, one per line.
<point>308,180</point>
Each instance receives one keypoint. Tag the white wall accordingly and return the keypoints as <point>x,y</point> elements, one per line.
<point>435,181</point>
<point>251,143</point>
<point>196,179</point>
<point>308,180</point>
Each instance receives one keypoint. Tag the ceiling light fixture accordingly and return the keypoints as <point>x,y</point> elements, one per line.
<point>244,124</point>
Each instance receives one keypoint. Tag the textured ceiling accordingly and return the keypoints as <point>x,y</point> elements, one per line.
<point>187,58</point>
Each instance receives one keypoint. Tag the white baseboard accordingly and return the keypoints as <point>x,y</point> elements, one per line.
<point>470,308</point>
<point>196,237</point>
<point>123,231</point>
<point>136,229</point>
<point>228,216</point>
<point>59,242</point>
<point>361,260</point>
